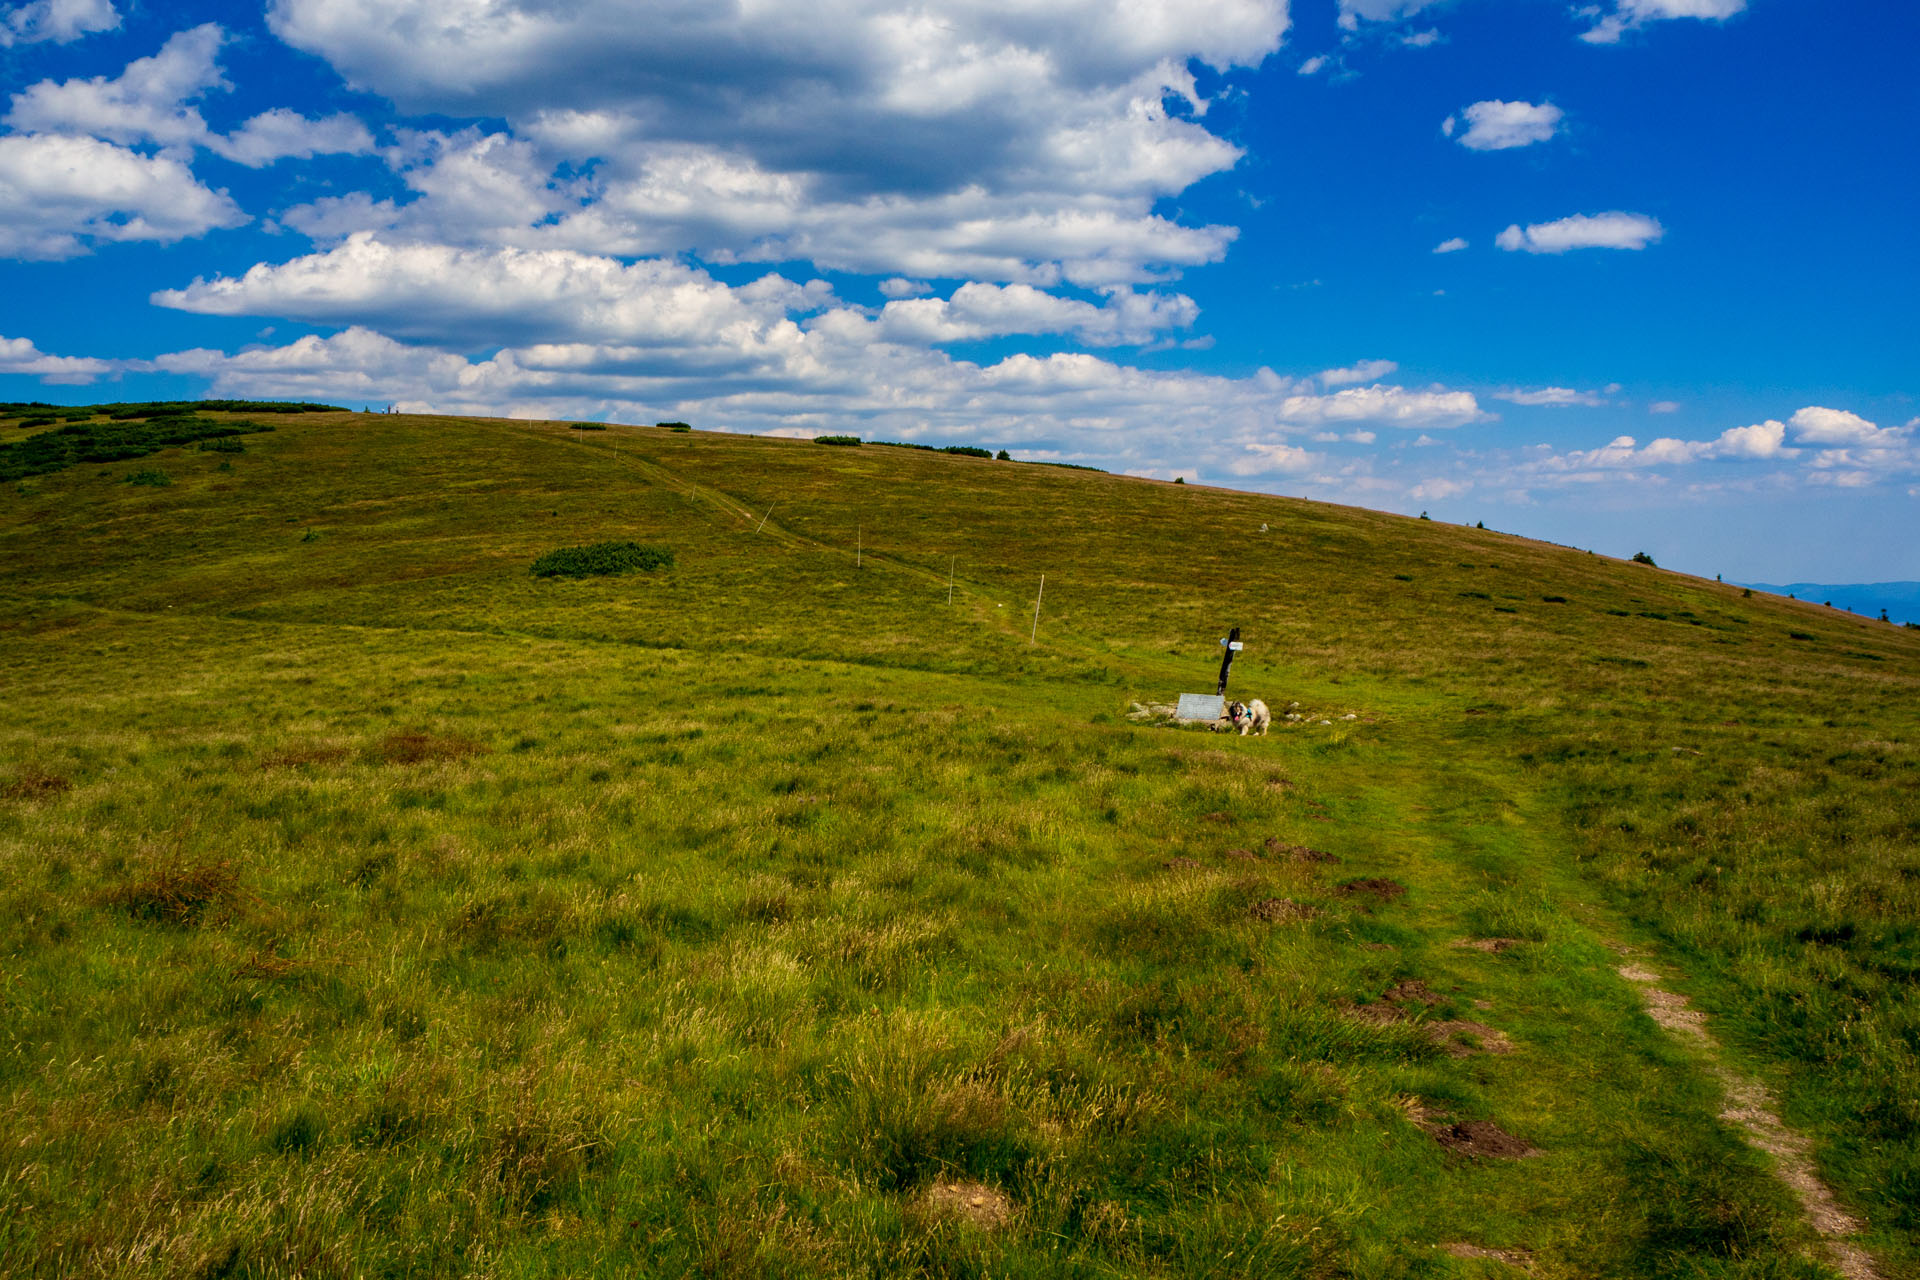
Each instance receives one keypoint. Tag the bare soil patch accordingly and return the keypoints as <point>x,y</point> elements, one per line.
<point>973,1202</point>
<point>1181,864</point>
<point>36,784</point>
<point>1278,848</point>
<point>298,757</point>
<point>1512,1257</point>
<point>1480,1140</point>
<point>1379,888</point>
<point>1462,1039</point>
<point>415,747</point>
<point>1492,946</point>
<point>1279,910</point>
<point>1217,816</point>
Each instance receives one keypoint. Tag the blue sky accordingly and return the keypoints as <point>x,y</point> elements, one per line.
<point>1629,275</point>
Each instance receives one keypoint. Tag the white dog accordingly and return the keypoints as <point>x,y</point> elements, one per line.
<point>1250,717</point>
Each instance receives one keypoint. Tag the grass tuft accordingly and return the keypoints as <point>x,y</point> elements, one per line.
<point>177,892</point>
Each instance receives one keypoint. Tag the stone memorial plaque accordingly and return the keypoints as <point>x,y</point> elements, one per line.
<point>1200,706</point>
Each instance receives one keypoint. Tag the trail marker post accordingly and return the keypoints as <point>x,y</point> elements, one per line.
<point>1036,610</point>
<point>951,561</point>
<point>1232,645</point>
<point>1211,706</point>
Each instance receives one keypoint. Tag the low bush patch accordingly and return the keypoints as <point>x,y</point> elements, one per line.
<point>588,426</point>
<point>840,440</point>
<point>602,558</point>
<point>151,476</point>
<point>112,441</point>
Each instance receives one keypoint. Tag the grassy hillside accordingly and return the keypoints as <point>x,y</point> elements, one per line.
<point>373,906</point>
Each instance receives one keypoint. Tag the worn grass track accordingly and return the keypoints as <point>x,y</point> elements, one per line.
<point>373,907</point>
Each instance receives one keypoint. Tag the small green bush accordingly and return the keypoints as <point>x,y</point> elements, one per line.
<point>674,426</point>
<point>602,558</point>
<point>1004,456</point>
<point>588,426</point>
<point>1641,557</point>
<point>150,476</point>
<point>968,451</point>
<point>223,444</point>
<point>843,440</point>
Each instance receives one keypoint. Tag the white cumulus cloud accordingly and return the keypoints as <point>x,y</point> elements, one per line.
<point>1555,397</point>
<point>147,102</point>
<point>19,355</point>
<point>281,134</point>
<point>442,293</point>
<point>1498,126</point>
<point>1820,426</point>
<point>59,194</point>
<point>1354,12</point>
<point>59,21</point>
<point>1363,371</point>
<point>977,311</point>
<point>1629,15</point>
<point>1583,231</point>
<point>959,138</point>
<point>1453,245</point>
<point>1386,405</point>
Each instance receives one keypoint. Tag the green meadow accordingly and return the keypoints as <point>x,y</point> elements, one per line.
<point>788,905</point>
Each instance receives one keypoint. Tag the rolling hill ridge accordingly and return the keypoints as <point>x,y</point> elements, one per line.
<point>803,906</point>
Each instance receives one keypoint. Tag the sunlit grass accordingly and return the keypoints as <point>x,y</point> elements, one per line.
<point>373,907</point>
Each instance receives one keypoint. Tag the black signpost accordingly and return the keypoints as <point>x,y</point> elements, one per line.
<point>1232,646</point>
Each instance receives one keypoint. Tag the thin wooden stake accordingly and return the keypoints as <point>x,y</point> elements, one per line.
<point>763,519</point>
<point>859,544</point>
<point>1036,609</point>
<point>950,563</point>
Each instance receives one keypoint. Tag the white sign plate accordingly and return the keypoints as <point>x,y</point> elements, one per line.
<point>1200,706</point>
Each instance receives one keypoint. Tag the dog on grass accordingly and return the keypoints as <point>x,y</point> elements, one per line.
<point>1249,717</point>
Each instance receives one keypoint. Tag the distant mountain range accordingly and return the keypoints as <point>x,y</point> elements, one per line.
<point>1901,600</point>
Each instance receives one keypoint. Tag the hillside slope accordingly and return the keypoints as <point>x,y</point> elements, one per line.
<point>374,906</point>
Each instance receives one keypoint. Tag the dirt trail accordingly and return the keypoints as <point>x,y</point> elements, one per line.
<point>1751,1107</point>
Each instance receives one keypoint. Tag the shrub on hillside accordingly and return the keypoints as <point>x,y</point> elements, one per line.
<point>674,426</point>
<point>1641,557</point>
<point>109,442</point>
<point>600,559</point>
<point>968,451</point>
<point>842,440</point>
<point>150,476</point>
<point>588,426</point>
<point>222,444</point>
